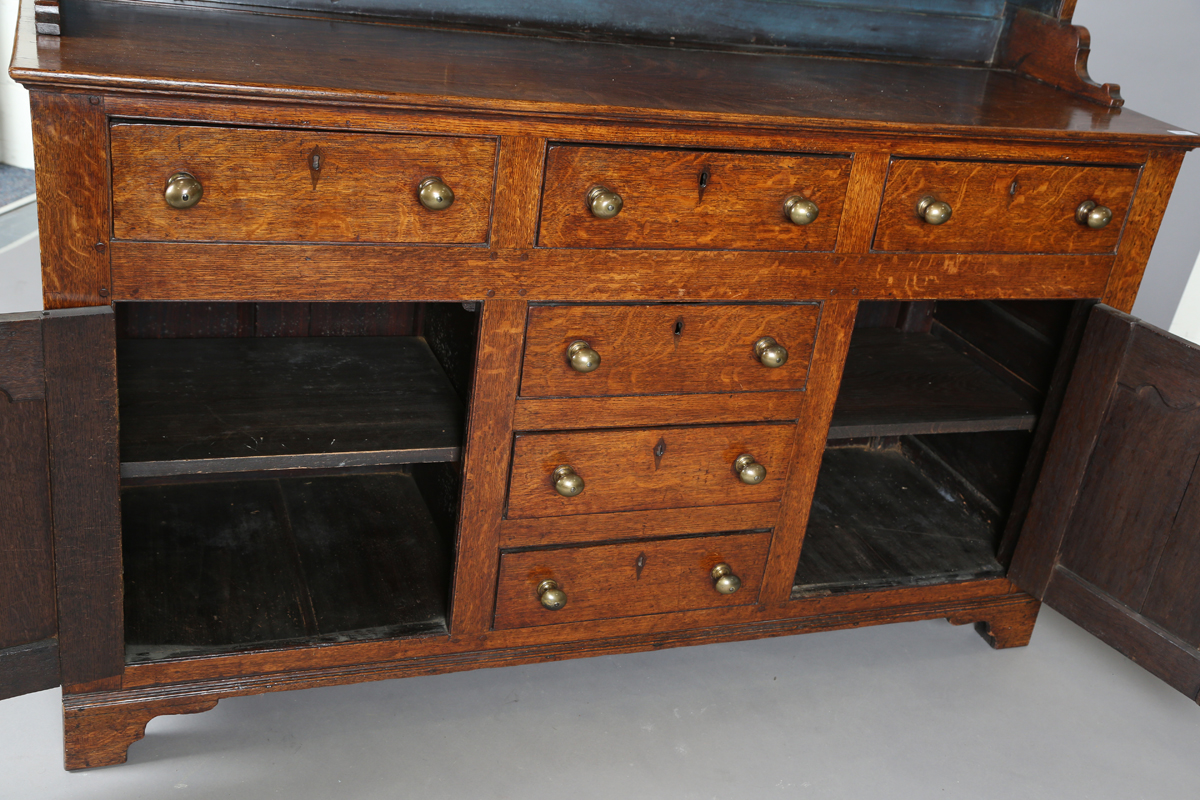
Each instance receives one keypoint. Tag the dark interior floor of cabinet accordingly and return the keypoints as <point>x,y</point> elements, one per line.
<point>898,383</point>
<point>234,565</point>
<point>889,516</point>
<point>204,406</point>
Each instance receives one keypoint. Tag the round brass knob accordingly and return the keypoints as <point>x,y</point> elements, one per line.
<point>604,203</point>
<point>551,596</point>
<point>933,211</point>
<point>800,210</point>
<point>567,482</point>
<point>582,357</point>
<point>434,194</point>
<point>749,470</point>
<point>770,353</point>
<point>183,190</point>
<point>1093,215</point>
<point>724,581</point>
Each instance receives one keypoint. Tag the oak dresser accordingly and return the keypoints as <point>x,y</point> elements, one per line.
<point>400,340</point>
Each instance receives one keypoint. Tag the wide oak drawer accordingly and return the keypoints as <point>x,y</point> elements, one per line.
<point>630,579</point>
<point>1003,208</point>
<point>596,351</point>
<point>555,474</point>
<point>300,186</point>
<point>690,199</point>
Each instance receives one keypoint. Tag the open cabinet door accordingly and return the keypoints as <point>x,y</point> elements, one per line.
<point>58,395</point>
<point>1112,540</point>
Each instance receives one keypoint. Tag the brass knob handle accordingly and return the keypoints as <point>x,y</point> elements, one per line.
<point>800,210</point>
<point>582,357</point>
<point>749,470</point>
<point>567,482</point>
<point>1093,215</point>
<point>434,194</point>
<point>551,596</point>
<point>724,581</point>
<point>183,190</point>
<point>770,353</point>
<point>604,203</point>
<point>933,211</point>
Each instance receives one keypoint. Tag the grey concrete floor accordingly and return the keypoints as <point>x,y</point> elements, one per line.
<point>915,710</point>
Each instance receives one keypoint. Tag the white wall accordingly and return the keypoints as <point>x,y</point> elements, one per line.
<point>1149,48</point>
<point>16,142</point>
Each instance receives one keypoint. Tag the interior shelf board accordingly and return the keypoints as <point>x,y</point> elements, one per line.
<point>879,520</point>
<point>900,384</point>
<point>233,566</point>
<point>212,406</point>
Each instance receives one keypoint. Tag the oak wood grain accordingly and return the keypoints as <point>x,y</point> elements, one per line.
<point>372,273</point>
<point>81,416</point>
<point>573,413</point>
<point>665,349</point>
<point>1145,217</point>
<point>689,199</point>
<point>868,175</point>
<point>630,579</point>
<point>486,458</point>
<point>1002,208</point>
<point>808,447</point>
<point>518,190</point>
<point>70,151</point>
<point>647,468</point>
<point>1054,51</point>
<point>259,185</point>
<point>654,523</point>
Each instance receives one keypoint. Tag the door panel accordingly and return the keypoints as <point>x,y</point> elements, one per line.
<point>1112,539</point>
<point>58,396</point>
<point>28,626</point>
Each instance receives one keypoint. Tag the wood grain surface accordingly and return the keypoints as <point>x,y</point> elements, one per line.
<point>573,413</point>
<point>486,460</point>
<point>617,526</point>
<point>689,199</point>
<point>1002,208</point>
<point>666,349</point>
<point>81,416</point>
<point>629,579</point>
<point>344,62</point>
<point>259,185</point>
<point>647,468</point>
<point>70,150</point>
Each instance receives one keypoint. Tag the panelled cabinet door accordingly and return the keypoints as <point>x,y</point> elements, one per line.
<point>1112,539</point>
<point>57,395</point>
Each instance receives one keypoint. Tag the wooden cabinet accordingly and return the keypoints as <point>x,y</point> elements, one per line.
<point>595,346</point>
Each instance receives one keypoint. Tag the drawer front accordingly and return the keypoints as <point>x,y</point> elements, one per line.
<point>260,186</point>
<point>630,579</point>
<point>625,470</point>
<point>1002,208</point>
<point>691,199</point>
<point>666,349</point>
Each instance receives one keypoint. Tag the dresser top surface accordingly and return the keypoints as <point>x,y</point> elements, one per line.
<point>190,50</point>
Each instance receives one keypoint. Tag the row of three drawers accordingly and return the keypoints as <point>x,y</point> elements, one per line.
<point>571,483</point>
<point>189,183</point>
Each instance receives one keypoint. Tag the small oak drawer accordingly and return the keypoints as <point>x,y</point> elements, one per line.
<point>555,474</point>
<point>967,207</point>
<point>574,584</point>
<point>249,185</point>
<point>618,197</point>
<point>667,349</point>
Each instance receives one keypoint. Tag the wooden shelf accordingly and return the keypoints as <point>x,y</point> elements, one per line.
<point>898,384</point>
<point>882,519</point>
<point>210,406</point>
<point>236,565</point>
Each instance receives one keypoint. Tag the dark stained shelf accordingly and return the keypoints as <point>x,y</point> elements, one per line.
<point>898,384</point>
<point>237,565</point>
<point>881,519</point>
<point>209,406</point>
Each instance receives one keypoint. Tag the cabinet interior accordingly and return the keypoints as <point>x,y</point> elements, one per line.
<point>290,471</point>
<point>924,478</point>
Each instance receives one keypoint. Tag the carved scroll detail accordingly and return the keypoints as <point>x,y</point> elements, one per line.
<point>1055,52</point>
